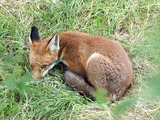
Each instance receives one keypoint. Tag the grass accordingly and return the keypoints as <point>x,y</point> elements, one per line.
<point>132,23</point>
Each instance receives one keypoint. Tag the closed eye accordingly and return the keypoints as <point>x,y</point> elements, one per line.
<point>44,66</point>
<point>31,67</point>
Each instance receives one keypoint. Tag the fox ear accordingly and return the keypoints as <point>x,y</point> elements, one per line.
<point>53,44</point>
<point>34,35</point>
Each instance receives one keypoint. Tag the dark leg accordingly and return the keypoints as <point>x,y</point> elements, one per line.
<point>78,83</point>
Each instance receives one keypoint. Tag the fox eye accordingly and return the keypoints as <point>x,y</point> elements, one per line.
<point>31,67</point>
<point>44,66</point>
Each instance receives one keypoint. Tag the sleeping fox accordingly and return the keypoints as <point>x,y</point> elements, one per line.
<point>92,62</point>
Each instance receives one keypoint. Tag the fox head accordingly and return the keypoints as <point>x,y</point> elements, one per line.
<point>43,55</point>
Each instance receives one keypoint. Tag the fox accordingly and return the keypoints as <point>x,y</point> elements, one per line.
<point>92,62</point>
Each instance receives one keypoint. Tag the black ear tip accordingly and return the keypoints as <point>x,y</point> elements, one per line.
<point>56,36</point>
<point>34,33</point>
<point>34,28</point>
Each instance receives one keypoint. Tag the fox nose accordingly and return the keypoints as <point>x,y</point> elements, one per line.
<point>37,76</point>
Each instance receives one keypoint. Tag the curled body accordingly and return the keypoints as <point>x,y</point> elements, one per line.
<point>92,62</point>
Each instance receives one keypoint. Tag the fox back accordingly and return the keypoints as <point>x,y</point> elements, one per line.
<point>92,62</point>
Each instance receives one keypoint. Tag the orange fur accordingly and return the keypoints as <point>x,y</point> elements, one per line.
<point>93,62</point>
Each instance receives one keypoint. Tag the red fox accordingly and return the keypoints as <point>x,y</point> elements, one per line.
<point>92,62</point>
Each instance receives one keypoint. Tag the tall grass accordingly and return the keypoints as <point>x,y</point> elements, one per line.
<point>22,97</point>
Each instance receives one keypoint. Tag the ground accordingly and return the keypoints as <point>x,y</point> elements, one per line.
<point>134,24</point>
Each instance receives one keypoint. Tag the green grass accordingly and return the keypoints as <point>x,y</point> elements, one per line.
<point>132,23</point>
